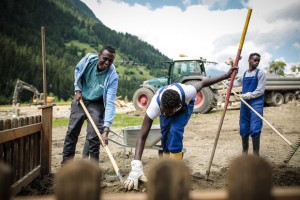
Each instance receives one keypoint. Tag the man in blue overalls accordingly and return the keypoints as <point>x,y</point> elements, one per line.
<point>174,105</point>
<point>253,82</point>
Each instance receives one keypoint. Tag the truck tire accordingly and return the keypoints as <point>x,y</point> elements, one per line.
<point>289,97</point>
<point>204,101</point>
<point>142,98</point>
<point>277,99</point>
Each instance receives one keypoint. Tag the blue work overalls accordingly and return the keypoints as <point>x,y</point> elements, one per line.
<point>172,128</point>
<point>250,123</point>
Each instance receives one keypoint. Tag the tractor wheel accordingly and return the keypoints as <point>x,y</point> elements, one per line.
<point>142,98</point>
<point>204,101</point>
<point>277,99</point>
<point>289,97</point>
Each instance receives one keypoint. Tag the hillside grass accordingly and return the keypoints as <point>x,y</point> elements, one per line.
<point>136,71</point>
<point>121,120</point>
<point>89,49</point>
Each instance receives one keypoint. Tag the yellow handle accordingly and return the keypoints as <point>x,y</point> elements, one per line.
<point>100,138</point>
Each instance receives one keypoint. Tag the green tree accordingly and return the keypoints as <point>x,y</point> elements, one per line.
<point>295,68</point>
<point>277,67</point>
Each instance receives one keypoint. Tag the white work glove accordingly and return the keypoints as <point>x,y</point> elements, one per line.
<point>246,96</point>
<point>135,175</point>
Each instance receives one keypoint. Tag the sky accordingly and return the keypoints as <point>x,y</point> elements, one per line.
<point>210,29</point>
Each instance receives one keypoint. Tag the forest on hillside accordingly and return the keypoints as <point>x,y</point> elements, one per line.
<point>71,31</point>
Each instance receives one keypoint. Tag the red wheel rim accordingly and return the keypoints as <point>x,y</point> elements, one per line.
<point>142,101</point>
<point>198,100</point>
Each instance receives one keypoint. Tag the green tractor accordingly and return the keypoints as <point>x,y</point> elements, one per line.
<point>183,70</point>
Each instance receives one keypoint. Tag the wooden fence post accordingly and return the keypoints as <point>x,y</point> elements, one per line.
<point>46,148</point>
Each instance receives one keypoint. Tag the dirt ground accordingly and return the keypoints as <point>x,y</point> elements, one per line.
<point>199,138</point>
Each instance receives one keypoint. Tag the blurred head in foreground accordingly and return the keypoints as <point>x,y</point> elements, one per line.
<point>249,178</point>
<point>169,179</point>
<point>5,181</point>
<point>78,180</point>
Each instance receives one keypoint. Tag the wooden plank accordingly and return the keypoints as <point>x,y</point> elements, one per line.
<point>22,157</point>
<point>46,138</point>
<point>26,161</point>
<point>16,187</point>
<point>18,160</point>
<point>15,158</point>
<point>278,193</point>
<point>15,123</point>
<point>26,120</point>
<point>21,152</point>
<point>11,134</point>
<point>126,196</point>
<point>21,122</point>
<point>31,152</point>
<point>1,125</point>
<point>209,195</point>
<point>52,197</point>
<point>8,153</point>
<point>15,168</point>
<point>37,149</point>
<point>7,124</point>
<point>7,145</point>
<point>286,193</point>
<point>1,152</point>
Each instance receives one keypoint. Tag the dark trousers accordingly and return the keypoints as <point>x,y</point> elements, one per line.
<point>77,117</point>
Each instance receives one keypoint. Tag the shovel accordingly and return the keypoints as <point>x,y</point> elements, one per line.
<point>112,160</point>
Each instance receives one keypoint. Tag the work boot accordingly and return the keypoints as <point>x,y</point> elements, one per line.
<point>245,144</point>
<point>176,156</point>
<point>255,142</point>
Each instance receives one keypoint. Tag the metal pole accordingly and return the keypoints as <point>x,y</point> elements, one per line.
<point>238,55</point>
<point>44,65</point>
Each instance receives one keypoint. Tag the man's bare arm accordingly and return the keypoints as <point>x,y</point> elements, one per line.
<point>140,144</point>
<point>210,81</point>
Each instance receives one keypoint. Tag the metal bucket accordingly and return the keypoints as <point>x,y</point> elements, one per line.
<point>131,134</point>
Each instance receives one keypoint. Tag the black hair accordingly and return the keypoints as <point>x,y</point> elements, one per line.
<point>254,54</point>
<point>108,48</point>
<point>170,99</point>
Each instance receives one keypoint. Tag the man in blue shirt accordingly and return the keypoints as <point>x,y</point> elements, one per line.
<point>96,83</point>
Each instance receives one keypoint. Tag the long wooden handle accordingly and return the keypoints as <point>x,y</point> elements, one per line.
<point>229,90</point>
<point>116,168</point>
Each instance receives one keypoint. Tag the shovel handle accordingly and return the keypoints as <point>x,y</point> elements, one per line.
<point>101,140</point>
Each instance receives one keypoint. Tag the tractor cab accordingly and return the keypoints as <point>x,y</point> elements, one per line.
<point>183,69</point>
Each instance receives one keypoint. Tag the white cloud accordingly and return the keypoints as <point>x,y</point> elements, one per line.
<point>198,31</point>
<point>211,3</point>
<point>296,45</point>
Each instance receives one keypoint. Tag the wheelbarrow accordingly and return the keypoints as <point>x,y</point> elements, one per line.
<point>129,135</point>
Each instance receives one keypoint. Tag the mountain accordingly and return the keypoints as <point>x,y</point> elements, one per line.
<point>71,31</point>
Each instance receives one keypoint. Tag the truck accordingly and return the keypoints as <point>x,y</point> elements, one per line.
<point>186,70</point>
<point>37,99</point>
